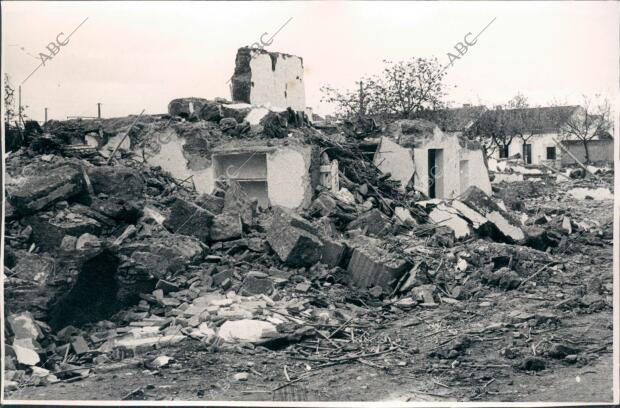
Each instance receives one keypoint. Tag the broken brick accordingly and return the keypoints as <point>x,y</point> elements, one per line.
<point>253,285</point>
<point>220,277</point>
<point>166,286</point>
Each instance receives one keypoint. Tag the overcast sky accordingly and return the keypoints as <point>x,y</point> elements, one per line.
<point>134,56</point>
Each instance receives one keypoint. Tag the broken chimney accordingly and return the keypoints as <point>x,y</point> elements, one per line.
<point>272,79</point>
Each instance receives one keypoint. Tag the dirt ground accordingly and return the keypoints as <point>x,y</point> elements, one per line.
<point>486,368</point>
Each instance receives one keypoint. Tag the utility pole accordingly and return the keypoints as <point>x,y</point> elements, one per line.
<point>45,115</point>
<point>361,111</point>
<point>99,110</point>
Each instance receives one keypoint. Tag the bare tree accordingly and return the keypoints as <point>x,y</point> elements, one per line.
<point>9,101</point>
<point>589,122</point>
<point>349,103</point>
<point>496,129</point>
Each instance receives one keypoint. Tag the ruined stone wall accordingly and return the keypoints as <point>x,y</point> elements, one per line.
<point>288,176</point>
<point>173,158</point>
<point>271,79</point>
<point>394,159</point>
<point>448,173</point>
<point>288,167</point>
<point>473,172</point>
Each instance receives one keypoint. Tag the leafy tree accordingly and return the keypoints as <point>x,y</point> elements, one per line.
<point>402,89</point>
<point>519,101</point>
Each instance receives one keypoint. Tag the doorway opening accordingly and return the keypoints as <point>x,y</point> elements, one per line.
<point>435,173</point>
<point>527,153</point>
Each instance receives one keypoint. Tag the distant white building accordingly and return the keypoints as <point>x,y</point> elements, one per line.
<point>545,126</point>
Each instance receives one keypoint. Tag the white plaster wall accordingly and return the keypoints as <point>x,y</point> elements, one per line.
<point>281,88</point>
<point>450,168</point>
<point>395,159</point>
<point>170,157</point>
<point>288,179</point>
<point>539,147</point>
<point>477,174</point>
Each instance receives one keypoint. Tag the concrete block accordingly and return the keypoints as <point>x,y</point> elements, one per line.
<point>23,355</point>
<point>46,188</point>
<point>166,286</point>
<point>226,227</point>
<point>374,220</point>
<point>220,277</point>
<point>185,107</point>
<point>325,203</point>
<point>333,252</point>
<point>210,111</point>
<point>289,237</point>
<point>445,216</point>
<point>503,226</point>
<point>79,345</point>
<point>189,219</point>
<point>87,241</point>
<point>211,203</point>
<point>236,201</point>
<point>117,181</point>
<point>49,232</point>
<point>371,265</point>
<point>246,330</point>
<point>34,267</point>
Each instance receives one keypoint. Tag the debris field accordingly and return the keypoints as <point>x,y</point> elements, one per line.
<point>123,281</point>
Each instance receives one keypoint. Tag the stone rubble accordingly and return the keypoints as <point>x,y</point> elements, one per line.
<point>105,262</point>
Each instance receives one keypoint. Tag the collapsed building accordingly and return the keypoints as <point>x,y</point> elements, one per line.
<point>438,164</point>
<point>146,231</point>
<point>267,78</point>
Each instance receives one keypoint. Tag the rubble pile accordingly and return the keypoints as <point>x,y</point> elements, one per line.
<point>108,259</point>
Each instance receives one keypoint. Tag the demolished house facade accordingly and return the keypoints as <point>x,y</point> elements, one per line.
<point>438,164</point>
<point>238,226</point>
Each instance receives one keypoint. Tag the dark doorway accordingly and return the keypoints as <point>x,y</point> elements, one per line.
<point>435,181</point>
<point>527,153</point>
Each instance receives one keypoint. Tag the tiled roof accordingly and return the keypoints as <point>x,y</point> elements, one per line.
<point>542,119</point>
<point>455,119</point>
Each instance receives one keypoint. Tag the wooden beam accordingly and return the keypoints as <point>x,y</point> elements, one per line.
<point>573,157</point>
